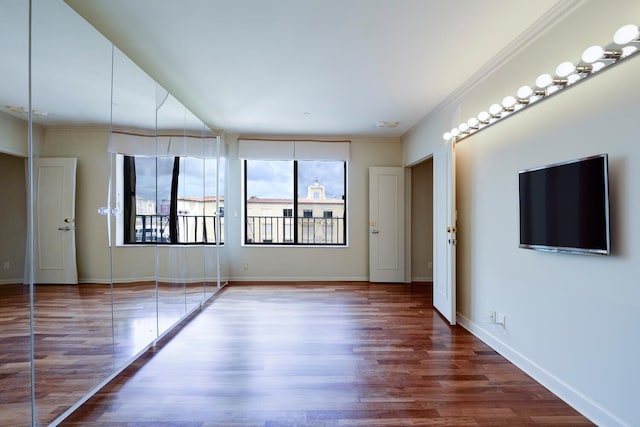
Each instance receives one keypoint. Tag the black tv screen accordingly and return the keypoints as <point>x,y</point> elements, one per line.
<point>564,207</point>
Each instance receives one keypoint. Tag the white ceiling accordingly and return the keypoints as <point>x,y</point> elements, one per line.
<point>310,67</point>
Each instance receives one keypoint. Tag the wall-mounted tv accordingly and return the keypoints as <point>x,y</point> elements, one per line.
<point>564,207</point>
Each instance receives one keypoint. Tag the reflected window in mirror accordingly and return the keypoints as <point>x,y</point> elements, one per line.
<point>170,200</point>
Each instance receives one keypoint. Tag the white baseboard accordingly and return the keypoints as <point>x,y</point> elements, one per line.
<point>298,279</point>
<point>103,281</point>
<point>580,402</point>
<point>11,281</point>
<point>422,279</point>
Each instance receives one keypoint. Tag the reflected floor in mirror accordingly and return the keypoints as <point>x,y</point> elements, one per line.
<point>78,339</point>
<point>323,354</point>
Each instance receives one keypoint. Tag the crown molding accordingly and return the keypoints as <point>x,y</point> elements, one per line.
<point>549,20</point>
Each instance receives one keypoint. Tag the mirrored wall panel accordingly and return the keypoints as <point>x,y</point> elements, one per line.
<point>71,104</point>
<point>111,219</point>
<point>15,361</point>
<point>132,208</point>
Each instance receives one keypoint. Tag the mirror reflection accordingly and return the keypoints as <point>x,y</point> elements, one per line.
<point>71,86</point>
<point>15,367</point>
<point>133,268</point>
<point>113,265</point>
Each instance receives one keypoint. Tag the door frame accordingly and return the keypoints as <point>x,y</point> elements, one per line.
<point>408,227</point>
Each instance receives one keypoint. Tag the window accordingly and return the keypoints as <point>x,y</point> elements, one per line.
<point>299,202</point>
<point>171,200</point>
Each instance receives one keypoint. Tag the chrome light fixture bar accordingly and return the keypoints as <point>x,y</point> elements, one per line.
<point>626,42</point>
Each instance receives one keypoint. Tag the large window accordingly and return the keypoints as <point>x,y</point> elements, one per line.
<point>297,202</point>
<point>172,200</point>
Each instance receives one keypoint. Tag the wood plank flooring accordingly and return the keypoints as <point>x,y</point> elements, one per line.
<point>74,343</point>
<point>323,354</point>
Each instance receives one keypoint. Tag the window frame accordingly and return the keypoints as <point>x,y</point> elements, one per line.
<point>297,240</point>
<point>173,217</point>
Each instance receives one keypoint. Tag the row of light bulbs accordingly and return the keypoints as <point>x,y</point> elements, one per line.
<point>594,59</point>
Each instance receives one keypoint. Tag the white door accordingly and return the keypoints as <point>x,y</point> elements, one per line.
<point>386,224</point>
<point>54,237</point>
<point>444,232</point>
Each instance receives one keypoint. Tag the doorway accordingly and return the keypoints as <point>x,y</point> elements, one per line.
<point>422,222</point>
<point>13,219</point>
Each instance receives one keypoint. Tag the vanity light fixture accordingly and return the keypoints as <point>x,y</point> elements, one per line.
<point>509,103</point>
<point>596,53</point>
<point>626,41</point>
<point>496,111</point>
<point>474,124</point>
<point>484,118</point>
<point>627,34</point>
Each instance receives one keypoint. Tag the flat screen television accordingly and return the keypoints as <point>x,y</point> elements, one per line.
<point>564,207</point>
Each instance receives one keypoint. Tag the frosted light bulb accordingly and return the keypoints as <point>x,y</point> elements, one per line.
<point>473,122</point>
<point>484,117</point>
<point>629,50</point>
<point>592,54</point>
<point>508,101</point>
<point>446,136</point>
<point>524,92</point>
<point>495,109</point>
<point>455,132</point>
<point>564,69</point>
<point>544,80</point>
<point>626,34</point>
<point>463,127</point>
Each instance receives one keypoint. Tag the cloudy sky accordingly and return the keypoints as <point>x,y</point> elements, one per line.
<point>193,182</point>
<point>265,179</point>
<point>274,179</point>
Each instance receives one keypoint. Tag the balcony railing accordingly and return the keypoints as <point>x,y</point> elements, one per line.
<point>192,229</point>
<point>280,230</point>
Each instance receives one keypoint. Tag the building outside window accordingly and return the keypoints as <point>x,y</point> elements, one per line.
<point>171,200</point>
<point>316,215</point>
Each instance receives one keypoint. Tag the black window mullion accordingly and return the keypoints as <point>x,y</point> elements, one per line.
<point>246,211</point>
<point>344,206</point>
<point>130,199</point>
<point>295,202</point>
<point>173,203</point>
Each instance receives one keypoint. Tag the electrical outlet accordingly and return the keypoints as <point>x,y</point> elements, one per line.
<point>492,316</point>
<point>430,265</point>
<point>6,265</point>
<point>246,266</point>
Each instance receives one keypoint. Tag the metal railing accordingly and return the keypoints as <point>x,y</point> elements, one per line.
<point>280,230</point>
<point>192,229</point>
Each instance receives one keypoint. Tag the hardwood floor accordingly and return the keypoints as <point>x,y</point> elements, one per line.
<point>323,354</point>
<point>78,339</point>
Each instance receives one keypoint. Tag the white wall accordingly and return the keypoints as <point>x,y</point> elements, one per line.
<point>13,135</point>
<point>309,263</point>
<point>132,263</point>
<point>571,321</point>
